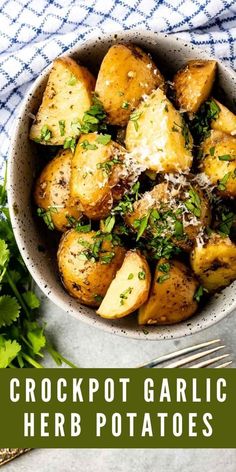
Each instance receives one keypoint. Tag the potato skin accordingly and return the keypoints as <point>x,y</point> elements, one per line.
<point>171,300</point>
<point>127,278</point>
<point>161,198</point>
<point>52,190</point>
<point>83,277</point>
<point>158,137</point>
<point>63,100</point>
<point>193,84</point>
<point>215,262</point>
<point>126,74</point>
<point>226,121</point>
<point>95,185</point>
<point>220,144</point>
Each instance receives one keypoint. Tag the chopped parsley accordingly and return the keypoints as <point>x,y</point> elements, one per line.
<point>201,123</point>
<point>70,143</point>
<point>142,275</point>
<point>94,118</point>
<point>62,124</point>
<point>227,220</point>
<point>98,298</point>
<point>164,267</point>
<point>125,105</point>
<point>141,225</point>
<point>103,139</point>
<point>46,215</point>
<point>83,228</point>
<point>212,151</point>
<point>223,182</point>
<point>199,293</point>
<point>109,224</point>
<point>88,146</point>
<point>163,278</point>
<point>124,295</point>
<point>108,165</point>
<point>227,157</point>
<point>193,204</point>
<point>135,117</point>
<point>73,80</point>
<point>46,134</point>
<point>130,276</point>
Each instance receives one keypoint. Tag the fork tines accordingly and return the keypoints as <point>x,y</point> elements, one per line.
<point>197,351</point>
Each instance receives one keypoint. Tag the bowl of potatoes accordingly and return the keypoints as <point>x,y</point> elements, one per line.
<point>122,185</point>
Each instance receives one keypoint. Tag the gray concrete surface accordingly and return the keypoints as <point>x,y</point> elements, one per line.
<point>90,347</point>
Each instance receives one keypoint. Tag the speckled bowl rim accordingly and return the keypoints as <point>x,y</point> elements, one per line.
<point>198,322</point>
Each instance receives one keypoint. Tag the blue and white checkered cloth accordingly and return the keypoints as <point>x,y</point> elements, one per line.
<point>34,32</point>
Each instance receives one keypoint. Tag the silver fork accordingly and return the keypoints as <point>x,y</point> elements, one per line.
<point>197,351</point>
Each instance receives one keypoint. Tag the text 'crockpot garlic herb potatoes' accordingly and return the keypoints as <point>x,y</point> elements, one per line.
<point>142,183</point>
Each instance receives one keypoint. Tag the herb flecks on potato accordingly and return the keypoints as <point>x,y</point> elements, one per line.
<point>193,83</point>
<point>99,174</point>
<point>127,74</point>
<point>68,95</point>
<point>176,210</point>
<point>88,263</point>
<point>52,193</point>
<point>219,162</point>
<point>214,262</point>
<point>172,295</point>
<point>158,137</point>
<point>129,289</point>
<point>226,120</point>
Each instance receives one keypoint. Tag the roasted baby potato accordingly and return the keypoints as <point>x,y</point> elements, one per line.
<point>193,84</point>
<point>67,96</point>
<point>225,121</point>
<point>97,170</point>
<point>158,137</point>
<point>129,289</point>
<point>52,192</point>
<point>177,209</point>
<point>219,162</point>
<point>215,262</point>
<point>171,297</point>
<point>125,76</point>
<point>87,264</point>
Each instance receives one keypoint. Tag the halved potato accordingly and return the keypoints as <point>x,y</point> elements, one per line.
<point>125,76</point>
<point>87,264</point>
<point>96,172</point>
<point>171,297</point>
<point>67,96</point>
<point>166,212</point>
<point>52,192</point>
<point>226,120</point>
<point>129,289</point>
<point>193,84</point>
<point>158,137</point>
<point>215,262</point>
<point>219,162</point>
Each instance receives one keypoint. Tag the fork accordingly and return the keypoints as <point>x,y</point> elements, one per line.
<point>196,352</point>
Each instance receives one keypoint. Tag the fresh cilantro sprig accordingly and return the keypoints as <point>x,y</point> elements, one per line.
<point>23,339</point>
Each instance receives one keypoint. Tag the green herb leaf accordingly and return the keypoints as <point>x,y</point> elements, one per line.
<point>212,151</point>
<point>199,293</point>
<point>125,105</point>
<point>141,225</point>
<point>135,117</point>
<point>103,139</point>
<point>9,310</point>
<point>46,215</point>
<point>83,228</point>
<point>4,253</point>
<point>62,125</point>
<point>109,224</point>
<point>36,337</point>
<point>88,146</point>
<point>46,134</point>
<point>73,80</point>
<point>142,275</point>
<point>223,182</point>
<point>70,143</point>
<point>124,295</point>
<point>227,157</point>
<point>163,278</point>
<point>31,300</point>
<point>8,351</point>
<point>130,276</point>
<point>193,204</point>
<point>164,267</point>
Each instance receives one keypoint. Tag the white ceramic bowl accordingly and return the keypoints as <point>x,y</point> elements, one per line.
<point>169,53</point>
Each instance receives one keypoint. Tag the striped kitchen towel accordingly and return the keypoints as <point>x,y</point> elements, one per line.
<point>34,32</point>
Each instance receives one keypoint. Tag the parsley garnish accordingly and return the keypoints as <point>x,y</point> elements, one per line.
<point>163,278</point>
<point>193,204</point>
<point>142,275</point>
<point>103,139</point>
<point>212,151</point>
<point>135,117</point>
<point>199,293</point>
<point>70,143</point>
<point>62,124</point>
<point>125,105</point>
<point>109,224</point>
<point>227,157</point>
<point>130,276</point>
<point>164,267</point>
<point>124,295</point>
<point>223,182</point>
<point>46,134</point>
<point>141,225</point>
<point>201,124</point>
<point>88,146</point>
<point>47,216</point>
<point>73,80</point>
<point>227,220</point>
<point>22,339</point>
<point>94,118</point>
